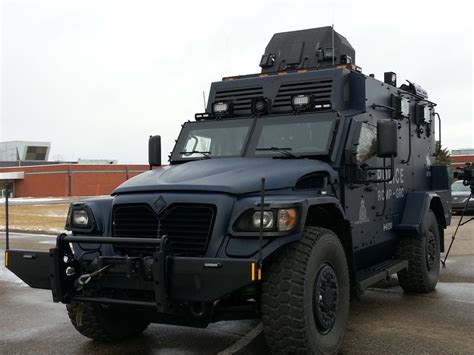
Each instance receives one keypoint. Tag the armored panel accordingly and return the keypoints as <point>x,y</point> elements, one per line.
<point>329,86</point>
<point>313,48</point>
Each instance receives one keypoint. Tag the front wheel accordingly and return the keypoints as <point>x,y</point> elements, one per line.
<point>305,295</point>
<point>106,323</point>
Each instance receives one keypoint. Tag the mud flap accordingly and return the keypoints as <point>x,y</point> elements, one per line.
<point>33,267</point>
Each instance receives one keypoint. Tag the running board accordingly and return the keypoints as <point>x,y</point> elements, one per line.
<point>379,272</point>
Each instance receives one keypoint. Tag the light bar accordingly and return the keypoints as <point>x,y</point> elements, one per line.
<point>203,116</point>
<point>323,106</point>
<point>301,102</point>
<point>220,107</point>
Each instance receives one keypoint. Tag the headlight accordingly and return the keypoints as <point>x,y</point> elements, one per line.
<point>287,219</point>
<point>267,220</point>
<point>80,218</point>
<point>274,220</point>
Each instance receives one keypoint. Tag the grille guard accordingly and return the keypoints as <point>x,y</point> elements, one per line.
<point>181,279</point>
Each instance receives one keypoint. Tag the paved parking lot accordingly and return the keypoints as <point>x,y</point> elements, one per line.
<point>385,320</point>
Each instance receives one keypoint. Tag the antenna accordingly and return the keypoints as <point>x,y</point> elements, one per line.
<point>333,49</point>
<point>204,99</point>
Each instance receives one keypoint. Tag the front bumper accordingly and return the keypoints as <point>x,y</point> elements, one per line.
<point>165,279</point>
<point>458,205</point>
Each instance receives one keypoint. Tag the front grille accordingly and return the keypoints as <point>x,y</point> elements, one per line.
<point>241,98</point>
<point>188,227</point>
<point>321,90</point>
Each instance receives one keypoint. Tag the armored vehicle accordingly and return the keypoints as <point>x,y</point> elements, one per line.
<point>297,188</point>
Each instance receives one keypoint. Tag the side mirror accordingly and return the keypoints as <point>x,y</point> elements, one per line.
<point>154,151</point>
<point>387,135</point>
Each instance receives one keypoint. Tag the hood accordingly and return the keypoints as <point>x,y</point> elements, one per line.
<point>460,193</point>
<point>227,175</point>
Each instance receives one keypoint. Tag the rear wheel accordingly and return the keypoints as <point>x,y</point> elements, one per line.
<point>106,323</point>
<point>305,295</point>
<point>423,255</point>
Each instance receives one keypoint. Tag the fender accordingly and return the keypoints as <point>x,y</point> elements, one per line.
<point>417,206</point>
<point>328,200</point>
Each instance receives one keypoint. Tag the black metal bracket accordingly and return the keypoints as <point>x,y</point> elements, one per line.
<point>62,286</point>
<point>159,271</point>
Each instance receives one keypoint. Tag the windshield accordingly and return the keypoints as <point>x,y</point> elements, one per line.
<point>458,186</point>
<point>213,139</point>
<point>298,136</point>
<point>283,136</point>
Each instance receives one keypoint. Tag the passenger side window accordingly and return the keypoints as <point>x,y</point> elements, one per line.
<point>367,144</point>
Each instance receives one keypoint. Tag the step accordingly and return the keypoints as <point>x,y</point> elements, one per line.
<point>370,276</point>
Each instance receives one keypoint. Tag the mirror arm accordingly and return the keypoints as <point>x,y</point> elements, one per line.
<point>409,143</point>
<point>439,133</point>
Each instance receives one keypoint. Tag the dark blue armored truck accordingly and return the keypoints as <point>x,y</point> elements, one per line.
<point>297,188</point>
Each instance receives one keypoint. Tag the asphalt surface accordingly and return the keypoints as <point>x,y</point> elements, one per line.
<point>385,320</point>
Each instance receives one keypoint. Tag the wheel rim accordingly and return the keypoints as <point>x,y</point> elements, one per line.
<point>430,250</point>
<point>325,298</point>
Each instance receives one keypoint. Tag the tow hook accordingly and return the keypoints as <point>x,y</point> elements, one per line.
<point>83,280</point>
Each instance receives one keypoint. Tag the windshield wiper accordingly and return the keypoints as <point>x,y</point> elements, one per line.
<point>284,151</point>
<point>206,155</point>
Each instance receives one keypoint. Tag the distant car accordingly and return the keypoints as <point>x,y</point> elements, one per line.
<point>460,193</point>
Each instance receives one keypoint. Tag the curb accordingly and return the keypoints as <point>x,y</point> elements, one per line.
<point>251,343</point>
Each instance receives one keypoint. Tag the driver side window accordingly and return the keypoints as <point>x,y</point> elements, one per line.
<point>196,146</point>
<point>367,144</point>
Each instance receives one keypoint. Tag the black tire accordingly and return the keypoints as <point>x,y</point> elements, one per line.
<point>106,323</point>
<point>295,320</point>
<point>423,255</point>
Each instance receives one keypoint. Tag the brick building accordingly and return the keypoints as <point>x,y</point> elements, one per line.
<point>57,180</point>
<point>460,157</point>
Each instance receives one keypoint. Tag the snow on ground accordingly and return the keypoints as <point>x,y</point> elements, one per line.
<point>46,200</point>
<point>7,275</point>
<point>34,229</point>
<point>30,200</point>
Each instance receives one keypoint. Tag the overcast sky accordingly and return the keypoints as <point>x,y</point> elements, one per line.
<point>96,78</point>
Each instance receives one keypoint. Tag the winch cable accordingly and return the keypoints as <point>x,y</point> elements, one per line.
<point>83,280</point>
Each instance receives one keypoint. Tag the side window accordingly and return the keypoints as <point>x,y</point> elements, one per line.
<point>367,144</point>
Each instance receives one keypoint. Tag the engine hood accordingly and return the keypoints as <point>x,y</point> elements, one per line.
<point>460,193</point>
<point>227,175</point>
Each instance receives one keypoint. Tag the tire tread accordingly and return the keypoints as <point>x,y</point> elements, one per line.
<point>87,320</point>
<point>282,306</point>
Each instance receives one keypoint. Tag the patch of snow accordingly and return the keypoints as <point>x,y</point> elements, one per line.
<point>7,275</point>
<point>29,200</point>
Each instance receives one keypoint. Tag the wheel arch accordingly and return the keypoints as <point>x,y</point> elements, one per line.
<point>417,206</point>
